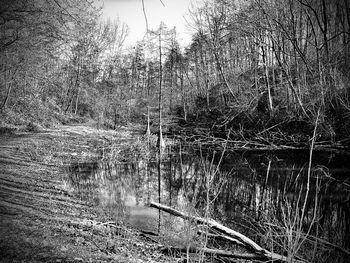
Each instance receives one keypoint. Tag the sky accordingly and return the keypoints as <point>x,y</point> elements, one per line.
<point>130,12</point>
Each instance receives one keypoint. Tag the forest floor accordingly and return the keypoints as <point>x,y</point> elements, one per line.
<point>40,220</point>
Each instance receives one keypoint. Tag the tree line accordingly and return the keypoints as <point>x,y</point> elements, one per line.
<point>251,65</point>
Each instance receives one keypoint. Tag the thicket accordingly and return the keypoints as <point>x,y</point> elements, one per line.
<point>267,67</point>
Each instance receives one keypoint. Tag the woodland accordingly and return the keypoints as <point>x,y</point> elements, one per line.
<point>263,70</point>
<point>258,76</point>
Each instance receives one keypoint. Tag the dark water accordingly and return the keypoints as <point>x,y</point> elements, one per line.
<point>265,195</point>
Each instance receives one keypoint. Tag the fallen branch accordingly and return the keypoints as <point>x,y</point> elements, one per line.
<point>216,252</point>
<point>149,235</point>
<point>255,144</point>
<point>246,241</point>
<point>224,237</point>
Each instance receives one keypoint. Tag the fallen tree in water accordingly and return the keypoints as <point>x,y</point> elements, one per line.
<point>239,239</point>
<point>253,131</point>
<point>259,143</point>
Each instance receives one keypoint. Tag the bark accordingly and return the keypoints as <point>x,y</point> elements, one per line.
<point>204,66</point>
<point>222,237</point>
<point>7,97</point>
<point>247,242</point>
<point>267,78</point>
<point>215,252</point>
<point>222,74</point>
<point>291,86</point>
<point>148,131</point>
<point>183,92</point>
<point>325,28</point>
<point>160,138</point>
<point>115,118</point>
<point>9,88</point>
<point>77,84</point>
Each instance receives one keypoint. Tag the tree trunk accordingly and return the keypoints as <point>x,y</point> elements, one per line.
<point>9,86</point>
<point>77,85</point>
<point>8,83</point>
<point>183,92</point>
<point>267,78</point>
<point>160,135</point>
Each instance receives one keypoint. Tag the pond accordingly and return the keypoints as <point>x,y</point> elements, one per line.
<point>265,195</point>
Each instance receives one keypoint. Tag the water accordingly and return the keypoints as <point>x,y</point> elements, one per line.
<point>262,194</point>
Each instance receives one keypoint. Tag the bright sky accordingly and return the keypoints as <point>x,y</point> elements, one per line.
<point>130,12</point>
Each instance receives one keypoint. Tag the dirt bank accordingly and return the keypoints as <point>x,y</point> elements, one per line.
<point>41,221</point>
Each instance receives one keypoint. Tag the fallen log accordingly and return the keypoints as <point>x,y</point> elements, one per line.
<point>223,237</point>
<point>246,241</point>
<point>215,252</point>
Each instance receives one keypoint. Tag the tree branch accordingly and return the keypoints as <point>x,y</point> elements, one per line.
<point>247,242</point>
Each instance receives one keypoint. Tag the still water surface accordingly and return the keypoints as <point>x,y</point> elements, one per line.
<point>253,192</point>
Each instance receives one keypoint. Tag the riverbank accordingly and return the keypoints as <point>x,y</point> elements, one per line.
<point>260,133</point>
<point>63,193</point>
<point>41,220</point>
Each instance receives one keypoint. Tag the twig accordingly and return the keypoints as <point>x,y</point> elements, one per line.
<point>145,15</point>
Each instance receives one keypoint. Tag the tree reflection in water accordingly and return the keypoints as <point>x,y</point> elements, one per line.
<point>258,193</point>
